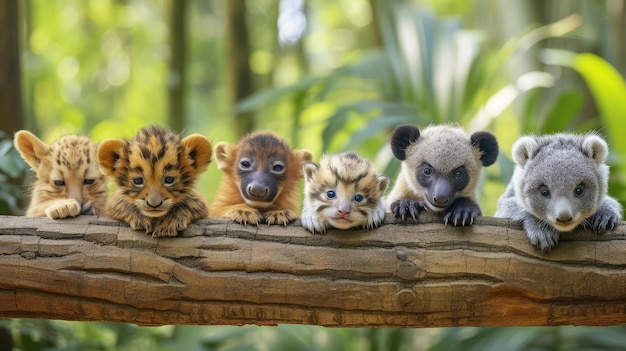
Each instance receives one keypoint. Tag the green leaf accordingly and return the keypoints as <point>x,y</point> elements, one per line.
<point>563,111</point>
<point>375,126</point>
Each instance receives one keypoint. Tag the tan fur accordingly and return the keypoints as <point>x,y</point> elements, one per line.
<point>68,182</point>
<point>155,175</point>
<point>331,189</point>
<point>261,148</point>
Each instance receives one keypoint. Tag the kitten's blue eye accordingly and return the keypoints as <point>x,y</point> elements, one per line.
<point>169,180</point>
<point>545,193</point>
<point>59,182</point>
<point>331,194</point>
<point>358,197</point>
<point>88,181</point>
<point>138,181</point>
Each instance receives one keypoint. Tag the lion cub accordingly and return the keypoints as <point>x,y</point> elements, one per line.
<point>155,174</point>
<point>69,182</point>
<point>344,191</point>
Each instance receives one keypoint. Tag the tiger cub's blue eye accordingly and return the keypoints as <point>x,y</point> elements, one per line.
<point>169,180</point>
<point>138,181</point>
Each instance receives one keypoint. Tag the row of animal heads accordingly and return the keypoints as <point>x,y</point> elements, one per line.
<point>560,180</point>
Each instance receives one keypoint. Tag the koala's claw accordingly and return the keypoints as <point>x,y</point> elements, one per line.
<point>603,221</point>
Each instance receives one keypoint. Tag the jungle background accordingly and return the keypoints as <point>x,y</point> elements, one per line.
<point>328,75</point>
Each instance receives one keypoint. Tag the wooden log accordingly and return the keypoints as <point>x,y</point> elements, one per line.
<point>400,275</point>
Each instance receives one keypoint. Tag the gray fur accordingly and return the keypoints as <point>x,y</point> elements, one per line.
<point>559,184</point>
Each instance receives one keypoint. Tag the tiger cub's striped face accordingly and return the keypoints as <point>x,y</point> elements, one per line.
<point>343,189</point>
<point>156,170</point>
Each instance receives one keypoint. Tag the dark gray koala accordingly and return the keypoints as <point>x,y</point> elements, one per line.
<point>560,183</point>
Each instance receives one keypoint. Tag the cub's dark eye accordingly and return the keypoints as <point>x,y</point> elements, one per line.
<point>278,168</point>
<point>358,197</point>
<point>245,164</point>
<point>427,171</point>
<point>459,174</point>
<point>59,182</point>
<point>579,191</point>
<point>138,181</point>
<point>331,194</point>
<point>88,181</point>
<point>545,193</point>
<point>169,180</point>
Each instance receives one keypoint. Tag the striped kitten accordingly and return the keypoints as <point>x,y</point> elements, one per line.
<point>344,191</point>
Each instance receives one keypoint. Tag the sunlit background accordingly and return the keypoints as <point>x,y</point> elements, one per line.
<point>330,76</point>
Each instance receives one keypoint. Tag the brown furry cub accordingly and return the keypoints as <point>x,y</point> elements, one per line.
<point>69,182</point>
<point>260,183</point>
<point>155,174</point>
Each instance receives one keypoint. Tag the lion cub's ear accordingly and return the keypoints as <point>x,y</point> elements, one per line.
<point>198,150</point>
<point>109,153</point>
<point>32,149</point>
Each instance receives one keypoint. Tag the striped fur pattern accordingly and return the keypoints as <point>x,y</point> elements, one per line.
<point>69,182</point>
<point>344,191</point>
<point>155,175</point>
<point>260,183</point>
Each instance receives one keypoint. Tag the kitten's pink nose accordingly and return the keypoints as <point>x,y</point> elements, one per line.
<point>343,213</point>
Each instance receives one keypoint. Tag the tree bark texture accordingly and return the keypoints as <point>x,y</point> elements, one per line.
<point>177,86</point>
<point>11,108</point>
<point>220,273</point>
<point>238,53</point>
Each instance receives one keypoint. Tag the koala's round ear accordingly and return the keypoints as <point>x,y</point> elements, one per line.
<point>30,147</point>
<point>309,168</point>
<point>401,138</point>
<point>596,148</point>
<point>109,153</point>
<point>488,146</point>
<point>199,150</point>
<point>523,149</point>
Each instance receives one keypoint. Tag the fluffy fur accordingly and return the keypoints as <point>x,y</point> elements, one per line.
<point>441,166</point>
<point>68,182</point>
<point>344,191</point>
<point>260,182</point>
<point>560,183</point>
<point>155,175</point>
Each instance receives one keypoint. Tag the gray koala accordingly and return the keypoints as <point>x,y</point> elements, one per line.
<point>559,183</point>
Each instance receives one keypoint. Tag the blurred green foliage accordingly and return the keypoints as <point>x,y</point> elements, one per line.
<point>100,68</point>
<point>12,168</point>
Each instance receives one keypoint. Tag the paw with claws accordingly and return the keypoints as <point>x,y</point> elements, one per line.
<point>406,207</point>
<point>461,213</point>
<point>244,215</point>
<point>280,217</point>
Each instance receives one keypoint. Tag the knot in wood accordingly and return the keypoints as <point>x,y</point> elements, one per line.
<point>406,297</point>
<point>408,270</point>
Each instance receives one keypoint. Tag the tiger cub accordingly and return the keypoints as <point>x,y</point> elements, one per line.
<point>69,182</point>
<point>155,174</point>
<point>344,191</point>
